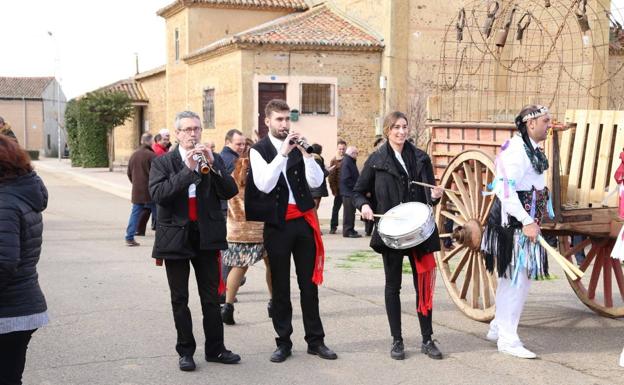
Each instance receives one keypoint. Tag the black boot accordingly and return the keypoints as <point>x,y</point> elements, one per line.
<point>227,314</point>
<point>430,349</point>
<point>398,350</point>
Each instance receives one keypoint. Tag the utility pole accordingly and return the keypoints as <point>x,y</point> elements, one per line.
<point>58,93</point>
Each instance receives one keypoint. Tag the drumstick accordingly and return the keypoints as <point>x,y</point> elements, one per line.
<point>386,216</point>
<point>432,186</point>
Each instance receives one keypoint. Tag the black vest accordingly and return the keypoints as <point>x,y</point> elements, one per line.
<point>271,208</point>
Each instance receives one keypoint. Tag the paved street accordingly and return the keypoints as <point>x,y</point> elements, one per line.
<point>112,322</point>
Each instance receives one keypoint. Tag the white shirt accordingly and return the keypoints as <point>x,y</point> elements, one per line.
<point>517,167</point>
<point>400,159</point>
<point>192,187</point>
<point>266,175</point>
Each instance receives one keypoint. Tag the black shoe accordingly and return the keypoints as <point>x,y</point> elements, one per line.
<point>429,348</point>
<point>332,230</point>
<point>281,354</point>
<point>398,349</point>
<point>132,243</point>
<point>225,357</point>
<point>186,363</point>
<point>227,314</point>
<point>354,234</point>
<point>323,352</point>
<point>270,308</point>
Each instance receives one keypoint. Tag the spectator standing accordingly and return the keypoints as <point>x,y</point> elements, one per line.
<point>348,176</point>
<point>5,129</point>
<point>334,183</point>
<point>321,191</point>
<point>23,309</point>
<point>138,172</point>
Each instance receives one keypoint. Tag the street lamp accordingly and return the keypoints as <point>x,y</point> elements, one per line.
<point>58,93</point>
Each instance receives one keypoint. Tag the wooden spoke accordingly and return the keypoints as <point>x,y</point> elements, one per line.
<point>472,188</point>
<point>485,213</point>
<point>453,253</point>
<point>463,192</point>
<point>577,248</point>
<point>593,282</point>
<point>589,258</point>
<point>619,277</point>
<point>460,206</point>
<point>467,278</point>
<point>478,198</point>
<point>475,280</point>
<point>606,281</point>
<point>453,217</point>
<point>485,200</point>
<point>460,266</point>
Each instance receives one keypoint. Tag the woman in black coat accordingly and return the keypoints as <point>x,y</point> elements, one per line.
<point>386,178</point>
<point>22,305</point>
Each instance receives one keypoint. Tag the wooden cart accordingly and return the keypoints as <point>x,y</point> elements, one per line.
<point>583,155</point>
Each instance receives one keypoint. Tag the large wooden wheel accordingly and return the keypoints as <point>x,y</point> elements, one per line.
<point>462,266</point>
<point>602,287</point>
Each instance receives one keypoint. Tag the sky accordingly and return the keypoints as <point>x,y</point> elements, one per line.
<point>95,41</point>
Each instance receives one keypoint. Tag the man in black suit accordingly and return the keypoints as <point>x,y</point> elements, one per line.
<point>278,193</point>
<point>349,174</point>
<point>191,230</point>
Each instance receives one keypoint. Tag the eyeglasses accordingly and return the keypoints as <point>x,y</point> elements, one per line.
<point>190,129</point>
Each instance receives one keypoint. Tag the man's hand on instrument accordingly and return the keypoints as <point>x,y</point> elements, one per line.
<point>437,192</point>
<point>303,150</point>
<point>190,160</point>
<point>287,147</point>
<point>367,212</point>
<point>531,231</point>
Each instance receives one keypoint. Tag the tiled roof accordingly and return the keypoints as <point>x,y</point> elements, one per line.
<point>130,87</point>
<point>178,5</point>
<point>31,88</point>
<point>152,72</point>
<point>321,27</point>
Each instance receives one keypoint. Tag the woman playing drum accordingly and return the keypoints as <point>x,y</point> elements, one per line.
<point>386,176</point>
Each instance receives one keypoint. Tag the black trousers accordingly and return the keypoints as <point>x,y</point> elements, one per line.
<point>295,238</point>
<point>393,267</point>
<point>206,267</point>
<point>348,216</point>
<point>335,209</point>
<point>13,348</point>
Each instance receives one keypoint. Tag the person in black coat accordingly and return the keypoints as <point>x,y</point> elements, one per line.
<point>349,174</point>
<point>23,308</point>
<point>386,177</point>
<point>191,230</point>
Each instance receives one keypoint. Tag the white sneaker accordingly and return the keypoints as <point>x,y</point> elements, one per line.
<point>517,351</point>
<point>622,359</point>
<point>492,335</point>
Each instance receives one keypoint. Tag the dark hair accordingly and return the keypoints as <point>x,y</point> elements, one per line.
<point>522,126</point>
<point>340,141</point>
<point>391,119</point>
<point>277,105</point>
<point>14,161</point>
<point>230,134</point>
<point>157,138</point>
<point>377,141</point>
<point>316,148</point>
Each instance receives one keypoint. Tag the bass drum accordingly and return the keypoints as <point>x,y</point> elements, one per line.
<point>406,225</point>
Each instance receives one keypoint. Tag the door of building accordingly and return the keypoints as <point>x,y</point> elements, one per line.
<point>267,92</point>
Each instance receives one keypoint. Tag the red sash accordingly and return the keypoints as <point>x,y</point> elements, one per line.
<point>293,212</point>
<point>425,268</point>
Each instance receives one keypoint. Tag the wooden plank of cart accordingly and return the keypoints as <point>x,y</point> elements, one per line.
<point>584,153</point>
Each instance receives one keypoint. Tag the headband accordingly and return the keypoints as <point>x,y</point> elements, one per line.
<point>535,114</point>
